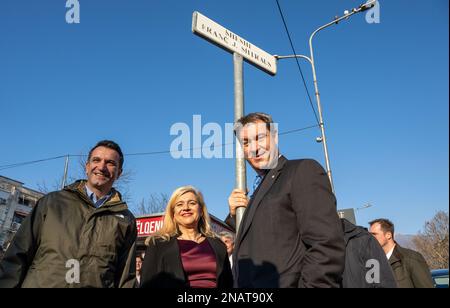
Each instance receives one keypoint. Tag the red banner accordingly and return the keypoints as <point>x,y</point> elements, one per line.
<point>147,226</point>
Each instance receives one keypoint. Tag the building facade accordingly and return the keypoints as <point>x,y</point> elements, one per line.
<point>16,202</point>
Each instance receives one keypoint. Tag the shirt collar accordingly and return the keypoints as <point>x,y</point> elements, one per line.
<point>262,173</point>
<point>389,254</point>
<point>97,202</point>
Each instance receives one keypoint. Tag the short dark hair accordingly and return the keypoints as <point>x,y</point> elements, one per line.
<point>385,224</point>
<point>254,117</point>
<point>110,145</point>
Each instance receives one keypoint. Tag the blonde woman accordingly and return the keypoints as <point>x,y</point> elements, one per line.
<point>186,253</point>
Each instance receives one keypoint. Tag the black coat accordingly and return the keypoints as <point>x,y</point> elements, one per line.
<point>360,269</point>
<point>290,235</point>
<point>163,268</point>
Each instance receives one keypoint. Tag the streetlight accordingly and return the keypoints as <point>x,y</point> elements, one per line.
<point>366,206</point>
<point>363,7</point>
<point>349,213</point>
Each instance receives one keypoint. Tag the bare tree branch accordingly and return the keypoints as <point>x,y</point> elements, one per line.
<point>433,242</point>
<point>156,203</point>
<point>79,172</point>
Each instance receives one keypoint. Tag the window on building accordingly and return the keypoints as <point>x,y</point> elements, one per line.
<point>18,218</point>
<point>2,201</point>
<point>23,200</point>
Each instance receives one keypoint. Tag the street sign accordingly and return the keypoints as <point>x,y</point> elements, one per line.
<point>231,42</point>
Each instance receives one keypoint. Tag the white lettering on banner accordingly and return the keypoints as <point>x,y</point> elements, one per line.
<point>149,225</point>
<point>153,226</point>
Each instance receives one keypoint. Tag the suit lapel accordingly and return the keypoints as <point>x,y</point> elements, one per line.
<point>173,257</point>
<point>220,260</point>
<point>258,196</point>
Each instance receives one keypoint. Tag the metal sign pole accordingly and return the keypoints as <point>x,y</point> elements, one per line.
<point>241,50</point>
<point>241,175</point>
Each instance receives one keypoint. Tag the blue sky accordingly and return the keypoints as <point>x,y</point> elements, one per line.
<point>131,69</point>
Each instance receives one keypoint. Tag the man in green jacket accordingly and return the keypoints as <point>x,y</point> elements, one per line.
<point>409,266</point>
<point>81,236</point>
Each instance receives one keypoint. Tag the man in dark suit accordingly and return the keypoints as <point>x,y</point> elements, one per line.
<point>290,235</point>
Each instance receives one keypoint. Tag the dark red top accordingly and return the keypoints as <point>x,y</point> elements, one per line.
<point>199,263</point>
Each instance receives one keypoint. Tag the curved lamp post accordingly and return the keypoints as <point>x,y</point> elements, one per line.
<point>363,7</point>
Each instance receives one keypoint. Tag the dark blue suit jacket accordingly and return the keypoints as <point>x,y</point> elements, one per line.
<point>290,235</point>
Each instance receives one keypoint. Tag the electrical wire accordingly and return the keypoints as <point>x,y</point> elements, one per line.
<point>298,63</point>
<point>16,165</point>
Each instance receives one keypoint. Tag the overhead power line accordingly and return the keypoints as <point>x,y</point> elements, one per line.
<point>10,166</point>
<point>30,162</point>
<point>298,63</point>
<point>298,130</point>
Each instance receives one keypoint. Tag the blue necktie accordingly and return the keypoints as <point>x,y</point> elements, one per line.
<point>256,183</point>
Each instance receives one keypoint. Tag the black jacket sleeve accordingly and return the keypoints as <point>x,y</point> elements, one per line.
<point>126,274</point>
<point>21,251</point>
<point>420,272</point>
<point>374,252</point>
<point>149,268</point>
<point>231,222</point>
<point>225,279</point>
<point>319,225</point>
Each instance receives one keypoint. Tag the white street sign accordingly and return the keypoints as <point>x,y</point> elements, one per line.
<point>224,38</point>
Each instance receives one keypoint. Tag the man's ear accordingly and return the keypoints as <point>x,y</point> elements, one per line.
<point>389,235</point>
<point>119,173</point>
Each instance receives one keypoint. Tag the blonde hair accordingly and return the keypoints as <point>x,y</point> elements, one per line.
<point>170,226</point>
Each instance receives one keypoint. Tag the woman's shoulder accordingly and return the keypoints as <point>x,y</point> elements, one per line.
<point>214,238</point>
<point>217,242</point>
<point>158,241</point>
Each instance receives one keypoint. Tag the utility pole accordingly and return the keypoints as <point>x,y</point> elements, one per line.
<point>66,167</point>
